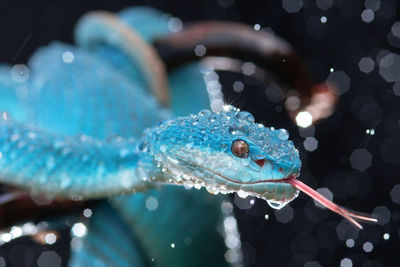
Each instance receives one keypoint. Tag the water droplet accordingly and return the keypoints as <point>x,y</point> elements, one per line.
<point>276,204</point>
<point>283,134</point>
<point>224,147</point>
<point>157,157</point>
<point>244,115</point>
<point>242,194</point>
<point>204,112</point>
<point>198,185</point>
<point>212,190</point>
<point>163,148</point>
<point>188,184</point>
<point>189,145</point>
<point>143,146</point>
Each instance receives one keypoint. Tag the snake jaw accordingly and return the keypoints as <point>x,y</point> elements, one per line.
<point>275,191</point>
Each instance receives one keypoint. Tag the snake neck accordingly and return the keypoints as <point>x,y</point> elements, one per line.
<point>77,167</point>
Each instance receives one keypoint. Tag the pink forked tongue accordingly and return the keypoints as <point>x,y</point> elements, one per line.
<point>352,217</point>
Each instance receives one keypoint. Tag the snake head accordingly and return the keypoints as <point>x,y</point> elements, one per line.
<point>227,152</point>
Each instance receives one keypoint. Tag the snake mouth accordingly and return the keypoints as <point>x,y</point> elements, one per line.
<point>281,180</point>
<point>223,184</point>
<point>275,198</point>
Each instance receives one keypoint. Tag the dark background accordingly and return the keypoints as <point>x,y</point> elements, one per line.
<point>302,234</point>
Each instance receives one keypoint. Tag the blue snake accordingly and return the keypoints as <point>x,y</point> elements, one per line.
<point>91,122</point>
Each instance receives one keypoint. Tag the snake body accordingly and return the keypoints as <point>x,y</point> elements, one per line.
<point>85,125</point>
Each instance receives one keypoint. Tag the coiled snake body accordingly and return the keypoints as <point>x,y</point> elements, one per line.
<point>76,129</point>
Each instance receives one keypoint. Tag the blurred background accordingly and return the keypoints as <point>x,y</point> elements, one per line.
<point>354,154</point>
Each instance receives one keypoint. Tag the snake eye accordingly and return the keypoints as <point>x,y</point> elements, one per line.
<point>240,148</point>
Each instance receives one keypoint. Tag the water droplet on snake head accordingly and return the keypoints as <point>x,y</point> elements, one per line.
<point>163,148</point>
<point>143,146</point>
<point>157,157</point>
<point>204,112</point>
<point>189,145</point>
<point>244,115</point>
<point>224,147</point>
<point>283,134</point>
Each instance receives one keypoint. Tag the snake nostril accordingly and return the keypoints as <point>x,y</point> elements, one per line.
<point>260,162</point>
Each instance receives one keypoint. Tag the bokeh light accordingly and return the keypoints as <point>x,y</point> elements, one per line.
<point>304,119</point>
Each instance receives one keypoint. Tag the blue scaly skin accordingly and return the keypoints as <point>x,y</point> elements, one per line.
<point>73,130</point>
<point>197,151</point>
<point>192,151</point>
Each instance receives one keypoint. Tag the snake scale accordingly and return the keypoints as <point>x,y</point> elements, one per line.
<point>96,121</point>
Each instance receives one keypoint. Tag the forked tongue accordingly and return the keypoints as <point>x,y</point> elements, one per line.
<point>352,217</point>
